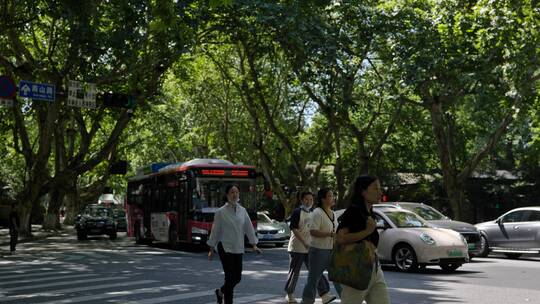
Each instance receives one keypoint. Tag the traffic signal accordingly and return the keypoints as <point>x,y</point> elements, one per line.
<point>119,167</point>
<point>116,100</point>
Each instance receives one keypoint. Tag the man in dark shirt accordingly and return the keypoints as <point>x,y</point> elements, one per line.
<point>14,224</point>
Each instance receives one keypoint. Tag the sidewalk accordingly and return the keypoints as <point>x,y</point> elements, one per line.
<point>38,233</point>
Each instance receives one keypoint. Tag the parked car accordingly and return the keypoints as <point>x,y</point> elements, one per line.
<point>514,233</point>
<point>120,218</point>
<point>271,231</point>
<point>410,242</point>
<point>437,219</point>
<point>96,220</point>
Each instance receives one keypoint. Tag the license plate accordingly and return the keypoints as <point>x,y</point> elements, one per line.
<point>266,236</point>
<point>472,246</point>
<point>455,253</point>
<point>95,230</point>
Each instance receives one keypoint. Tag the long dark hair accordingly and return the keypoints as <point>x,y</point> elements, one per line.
<point>360,184</point>
<point>322,194</point>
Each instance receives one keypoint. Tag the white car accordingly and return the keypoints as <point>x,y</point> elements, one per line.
<point>409,242</point>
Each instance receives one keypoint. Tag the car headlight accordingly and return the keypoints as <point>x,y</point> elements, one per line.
<point>281,231</point>
<point>196,230</point>
<point>427,239</point>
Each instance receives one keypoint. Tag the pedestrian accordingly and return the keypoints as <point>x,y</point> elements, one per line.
<point>299,247</point>
<point>322,228</point>
<point>14,225</point>
<point>355,225</point>
<point>231,223</point>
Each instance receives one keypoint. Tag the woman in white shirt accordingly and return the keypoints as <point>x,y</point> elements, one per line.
<point>322,229</point>
<point>231,223</point>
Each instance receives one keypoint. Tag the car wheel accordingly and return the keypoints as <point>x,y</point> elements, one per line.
<point>450,267</point>
<point>513,255</point>
<point>173,237</point>
<point>405,258</point>
<point>113,235</point>
<point>484,247</point>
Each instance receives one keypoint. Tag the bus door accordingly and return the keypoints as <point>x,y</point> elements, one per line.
<point>158,219</point>
<point>183,209</point>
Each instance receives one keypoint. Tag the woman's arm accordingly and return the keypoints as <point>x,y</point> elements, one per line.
<point>249,231</point>
<point>214,234</point>
<point>320,233</point>
<point>345,237</point>
<point>316,224</point>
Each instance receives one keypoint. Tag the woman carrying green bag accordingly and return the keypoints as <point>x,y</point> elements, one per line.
<point>357,226</point>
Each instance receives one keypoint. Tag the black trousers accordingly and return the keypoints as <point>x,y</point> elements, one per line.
<point>13,238</point>
<point>232,266</point>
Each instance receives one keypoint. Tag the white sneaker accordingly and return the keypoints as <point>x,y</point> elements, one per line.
<point>327,298</point>
<point>290,298</point>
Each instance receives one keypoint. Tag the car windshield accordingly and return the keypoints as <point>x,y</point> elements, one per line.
<point>210,193</point>
<point>99,212</point>
<point>426,212</point>
<point>263,219</point>
<point>406,219</point>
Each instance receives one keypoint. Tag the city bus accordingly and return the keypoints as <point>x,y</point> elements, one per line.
<point>176,202</point>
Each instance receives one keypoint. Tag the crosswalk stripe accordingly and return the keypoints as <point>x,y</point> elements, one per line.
<point>61,284</point>
<point>175,297</point>
<point>250,299</point>
<point>12,268</point>
<point>24,275</point>
<point>115,294</point>
<point>48,279</point>
<point>92,254</point>
<point>60,292</point>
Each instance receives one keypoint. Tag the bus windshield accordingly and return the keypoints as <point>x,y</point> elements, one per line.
<point>210,193</point>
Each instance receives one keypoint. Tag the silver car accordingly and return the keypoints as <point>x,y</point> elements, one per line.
<point>437,219</point>
<point>271,231</point>
<point>514,233</point>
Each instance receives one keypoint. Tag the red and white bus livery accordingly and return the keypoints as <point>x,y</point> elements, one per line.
<point>176,202</point>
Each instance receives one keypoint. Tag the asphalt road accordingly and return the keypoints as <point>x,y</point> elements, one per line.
<point>63,270</point>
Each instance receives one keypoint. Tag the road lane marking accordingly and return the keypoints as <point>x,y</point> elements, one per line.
<point>62,292</point>
<point>52,278</point>
<point>115,294</point>
<point>252,298</point>
<point>60,284</point>
<point>18,276</point>
<point>171,298</point>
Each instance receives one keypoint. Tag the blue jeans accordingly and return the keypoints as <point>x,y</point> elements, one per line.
<point>319,260</point>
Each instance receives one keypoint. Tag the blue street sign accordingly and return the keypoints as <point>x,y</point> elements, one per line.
<point>7,87</point>
<point>34,90</point>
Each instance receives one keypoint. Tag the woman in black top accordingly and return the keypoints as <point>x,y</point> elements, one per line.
<point>355,225</point>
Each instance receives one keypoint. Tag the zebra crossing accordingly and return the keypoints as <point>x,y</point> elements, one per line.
<point>27,285</point>
<point>67,271</point>
<point>59,277</point>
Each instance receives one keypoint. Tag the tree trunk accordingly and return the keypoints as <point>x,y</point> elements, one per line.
<point>51,220</point>
<point>459,203</point>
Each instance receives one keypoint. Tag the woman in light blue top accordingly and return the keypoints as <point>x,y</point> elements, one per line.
<point>231,223</point>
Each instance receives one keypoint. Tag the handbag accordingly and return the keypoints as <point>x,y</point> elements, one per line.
<point>352,264</point>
